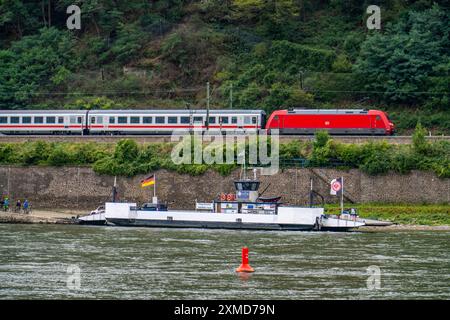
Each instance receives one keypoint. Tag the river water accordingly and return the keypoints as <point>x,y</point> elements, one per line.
<point>43,261</point>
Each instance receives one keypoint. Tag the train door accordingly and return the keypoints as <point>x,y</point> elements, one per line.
<point>373,123</point>
<point>240,122</point>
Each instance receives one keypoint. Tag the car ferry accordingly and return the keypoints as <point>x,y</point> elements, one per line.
<point>243,210</point>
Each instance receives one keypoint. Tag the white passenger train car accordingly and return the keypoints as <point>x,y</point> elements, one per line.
<point>124,122</point>
<point>42,122</point>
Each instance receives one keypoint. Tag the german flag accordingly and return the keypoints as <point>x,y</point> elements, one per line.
<point>150,181</point>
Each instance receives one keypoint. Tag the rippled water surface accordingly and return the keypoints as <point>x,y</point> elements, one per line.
<point>134,263</point>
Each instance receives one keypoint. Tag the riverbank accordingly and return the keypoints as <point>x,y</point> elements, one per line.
<point>401,214</point>
<point>41,217</point>
<point>61,216</point>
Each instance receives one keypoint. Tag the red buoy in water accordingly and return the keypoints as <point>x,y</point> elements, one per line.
<point>245,267</point>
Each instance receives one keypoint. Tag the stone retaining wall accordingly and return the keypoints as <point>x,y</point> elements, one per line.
<point>81,188</point>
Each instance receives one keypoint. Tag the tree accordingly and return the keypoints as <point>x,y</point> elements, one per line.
<point>400,62</point>
<point>35,65</point>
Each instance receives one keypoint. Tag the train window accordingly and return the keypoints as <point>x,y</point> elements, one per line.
<point>112,120</point>
<point>3,119</point>
<point>172,120</point>
<point>160,120</point>
<point>253,120</point>
<point>233,120</point>
<point>15,119</point>
<point>122,120</point>
<point>212,120</point>
<point>247,120</point>
<point>26,119</point>
<point>38,119</point>
<point>224,120</point>
<point>80,119</point>
<point>73,120</point>
<point>198,119</point>
<point>99,119</point>
<point>60,119</point>
<point>135,120</point>
<point>50,120</point>
<point>147,120</point>
<point>92,120</point>
<point>185,120</point>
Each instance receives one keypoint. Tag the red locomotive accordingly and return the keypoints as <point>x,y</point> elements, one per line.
<point>305,121</point>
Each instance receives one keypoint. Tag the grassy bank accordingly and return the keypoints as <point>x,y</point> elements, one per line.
<point>128,158</point>
<point>430,215</point>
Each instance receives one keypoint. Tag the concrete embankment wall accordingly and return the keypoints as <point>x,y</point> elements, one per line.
<point>81,188</point>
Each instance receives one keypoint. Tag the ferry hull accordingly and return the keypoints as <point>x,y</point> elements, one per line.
<point>208,225</point>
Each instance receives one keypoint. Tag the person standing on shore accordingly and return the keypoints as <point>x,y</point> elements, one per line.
<point>6,204</point>
<point>25,206</point>
<point>18,206</point>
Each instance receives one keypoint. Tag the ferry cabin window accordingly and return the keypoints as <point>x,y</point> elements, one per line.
<point>26,120</point>
<point>250,186</point>
<point>172,120</point>
<point>122,120</point>
<point>15,120</point>
<point>224,120</point>
<point>112,120</point>
<point>135,120</point>
<point>3,119</point>
<point>147,120</point>
<point>212,120</point>
<point>61,120</point>
<point>185,120</point>
<point>50,120</point>
<point>160,120</point>
<point>39,120</point>
<point>234,120</point>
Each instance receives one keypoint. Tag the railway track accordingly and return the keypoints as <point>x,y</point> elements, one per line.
<point>167,138</point>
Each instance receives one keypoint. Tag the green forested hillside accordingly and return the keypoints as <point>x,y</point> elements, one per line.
<point>255,53</point>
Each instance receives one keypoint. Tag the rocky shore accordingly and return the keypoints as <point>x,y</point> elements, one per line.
<point>41,217</point>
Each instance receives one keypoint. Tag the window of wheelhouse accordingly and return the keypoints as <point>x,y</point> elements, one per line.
<point>247,185</point>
